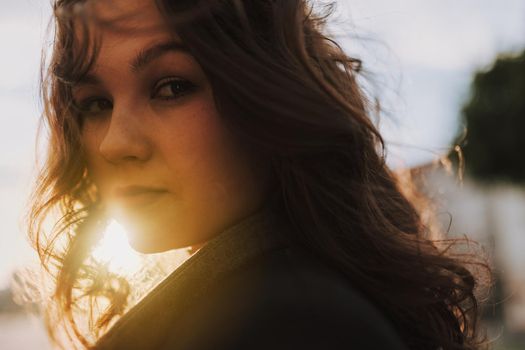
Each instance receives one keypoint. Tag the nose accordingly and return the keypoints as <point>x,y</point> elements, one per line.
<point>125,139</point>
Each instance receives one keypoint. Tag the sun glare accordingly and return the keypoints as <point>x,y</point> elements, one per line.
<point>115,251</point>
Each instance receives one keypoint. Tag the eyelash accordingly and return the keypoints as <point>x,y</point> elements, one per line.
<point>84,106</point>
<point>188,87</point>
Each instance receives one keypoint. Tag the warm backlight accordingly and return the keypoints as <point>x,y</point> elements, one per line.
<point>115,251</point>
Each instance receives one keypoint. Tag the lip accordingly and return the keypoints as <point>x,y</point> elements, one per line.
<point>136,190</point>
<point>137,194</point>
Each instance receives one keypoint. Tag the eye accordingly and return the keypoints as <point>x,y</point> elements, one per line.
<point>172,88</point>
<point>94,106</point>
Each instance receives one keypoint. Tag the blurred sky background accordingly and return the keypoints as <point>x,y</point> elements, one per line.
<point>421,54</point>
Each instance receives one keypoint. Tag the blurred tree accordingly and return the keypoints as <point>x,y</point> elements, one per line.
<point>495,121</point>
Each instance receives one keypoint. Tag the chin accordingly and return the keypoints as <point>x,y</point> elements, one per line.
<point>146,247</point>
<point>150,243</point>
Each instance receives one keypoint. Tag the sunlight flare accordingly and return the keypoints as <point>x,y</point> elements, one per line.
<point>115,251</point>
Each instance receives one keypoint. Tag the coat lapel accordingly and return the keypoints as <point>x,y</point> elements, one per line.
<point>147,324</point>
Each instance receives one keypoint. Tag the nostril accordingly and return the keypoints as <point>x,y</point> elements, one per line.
<point>130,158</point>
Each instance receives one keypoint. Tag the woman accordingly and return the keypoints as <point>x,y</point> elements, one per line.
<point>235,127</point>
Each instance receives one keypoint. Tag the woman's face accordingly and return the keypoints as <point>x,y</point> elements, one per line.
<point>156,147</point>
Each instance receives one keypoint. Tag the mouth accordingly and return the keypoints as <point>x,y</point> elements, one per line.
<point>138,195</point>
<point>136,190</point>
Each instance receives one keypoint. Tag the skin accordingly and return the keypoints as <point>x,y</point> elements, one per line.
<point>140,128</point>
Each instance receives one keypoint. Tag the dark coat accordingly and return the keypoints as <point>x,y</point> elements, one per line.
<point>248,288</point>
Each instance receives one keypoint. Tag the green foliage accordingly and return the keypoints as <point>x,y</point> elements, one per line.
<point>495,121</point>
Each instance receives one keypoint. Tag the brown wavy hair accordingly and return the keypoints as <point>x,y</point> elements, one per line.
<point>290,93</point>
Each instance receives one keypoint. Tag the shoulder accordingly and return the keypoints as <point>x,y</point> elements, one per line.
<point>285,299</point>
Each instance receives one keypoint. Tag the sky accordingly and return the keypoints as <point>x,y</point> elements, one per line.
<point>419,57</point>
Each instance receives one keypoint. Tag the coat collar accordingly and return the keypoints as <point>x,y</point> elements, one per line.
<point>145,325</point>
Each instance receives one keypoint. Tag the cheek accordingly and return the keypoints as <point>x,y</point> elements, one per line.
<point>202,154</point>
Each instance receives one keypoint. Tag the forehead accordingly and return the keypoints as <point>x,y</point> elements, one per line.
<point>124,24</point>
<point>126,13</point>
<point>123,18</point>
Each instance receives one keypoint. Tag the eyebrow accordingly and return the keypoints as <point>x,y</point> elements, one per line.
<point>145,56</point>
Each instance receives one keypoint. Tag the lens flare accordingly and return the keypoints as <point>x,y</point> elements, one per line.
<point>115,251</point>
